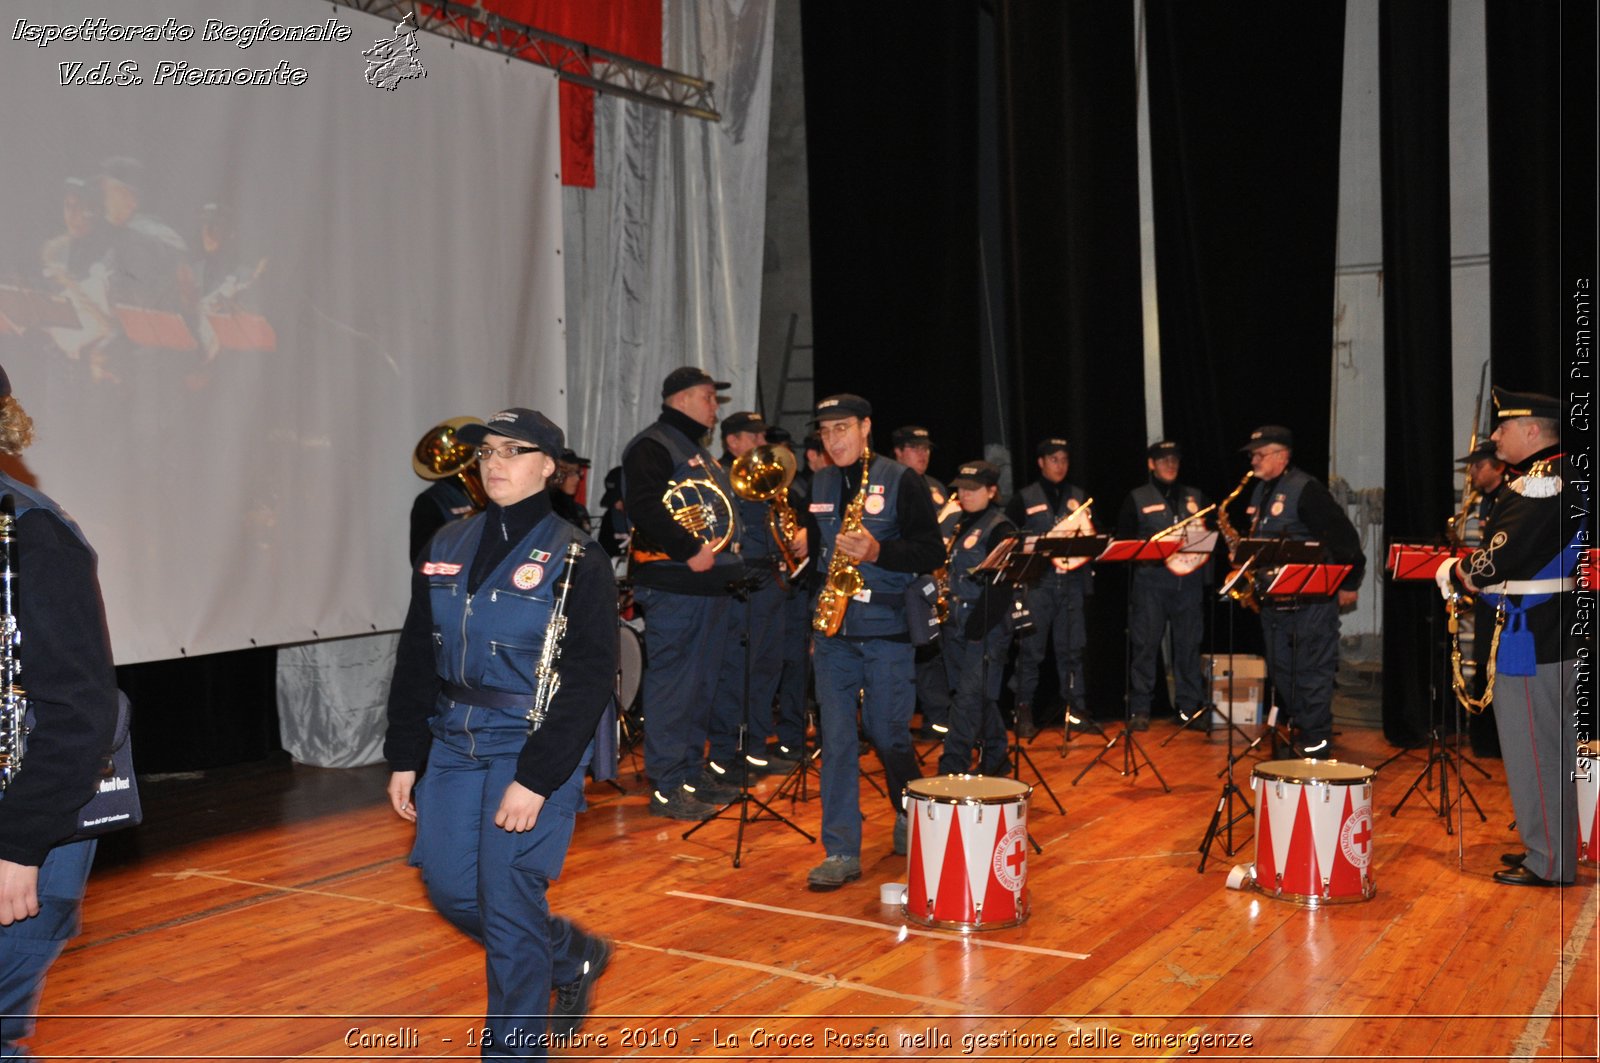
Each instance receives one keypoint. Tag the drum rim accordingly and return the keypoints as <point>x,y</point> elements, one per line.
<point>1023,911</point>
<point>1259,772</point>
<point>942,799</point>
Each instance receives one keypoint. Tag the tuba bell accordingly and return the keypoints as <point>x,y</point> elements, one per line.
<point>764,475</point>
<point>440,454</point>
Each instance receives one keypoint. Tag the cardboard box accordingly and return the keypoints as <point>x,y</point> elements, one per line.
<point>1242,675</point>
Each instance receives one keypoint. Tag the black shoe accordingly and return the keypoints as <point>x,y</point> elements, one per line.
<point>1025,727</point>
<point>718,787</point>
<point>1521,876</point>
<point>1139,723</point>
<point>682,804</point>
<point>1513,859</point>
<point>572,999</point>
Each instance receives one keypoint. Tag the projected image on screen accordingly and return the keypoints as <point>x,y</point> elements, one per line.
<point>231,308</point>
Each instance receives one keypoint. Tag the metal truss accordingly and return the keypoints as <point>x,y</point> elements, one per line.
<point>574,61</point>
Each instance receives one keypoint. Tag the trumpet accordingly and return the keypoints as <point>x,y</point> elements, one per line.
<point>764,475</point>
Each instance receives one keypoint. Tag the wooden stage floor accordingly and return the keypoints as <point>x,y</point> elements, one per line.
<point>269,913</point>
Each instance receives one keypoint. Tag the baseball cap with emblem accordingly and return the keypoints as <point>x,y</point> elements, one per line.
<point>838,407</point>
<point>976,474</point>
<point>743,421</point>
<point>1163,448</point>
<point>530,426</point>
<point>1512,404</point>
<point>911,435</point>
<point>1050,446</point>
<point>688,376</point>
<point>1269,435</point>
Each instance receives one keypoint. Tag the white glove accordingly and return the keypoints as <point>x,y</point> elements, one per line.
<point>1447,587</point>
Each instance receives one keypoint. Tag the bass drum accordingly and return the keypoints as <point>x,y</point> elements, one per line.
<point>630,668</point>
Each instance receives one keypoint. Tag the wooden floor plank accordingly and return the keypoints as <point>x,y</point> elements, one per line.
<point>282,894</point>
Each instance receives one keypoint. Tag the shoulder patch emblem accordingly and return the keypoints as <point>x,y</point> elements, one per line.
<point>873,504</point>
<point>440,568</point>
<point>527,577</point>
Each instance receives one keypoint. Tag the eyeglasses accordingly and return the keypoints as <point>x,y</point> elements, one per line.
<point>505,452</point>
<point>837,428</point>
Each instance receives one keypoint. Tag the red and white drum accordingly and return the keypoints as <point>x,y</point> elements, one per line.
<point>1313,831</point>
<point>1588,783</point>
<point>968,852</point>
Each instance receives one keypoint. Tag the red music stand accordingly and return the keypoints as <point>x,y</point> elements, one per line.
<point>1296,580</point>
<point>1419,561</point>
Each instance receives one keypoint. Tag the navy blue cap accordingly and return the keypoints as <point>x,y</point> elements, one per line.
<point>1163,448</point>
<point>977,474</point>
<point>688,376</point>
<point>530,426</point>
<point>1050,446</point>
<point>838,407</point>
<point>743,421</point>
<point>1509,404</point>
<point>1268,435</point>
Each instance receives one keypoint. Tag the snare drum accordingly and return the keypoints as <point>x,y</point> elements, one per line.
<point>968,852</point>
<point>630,667</point>
<point>1313,831</point>
<point>1588,783</point>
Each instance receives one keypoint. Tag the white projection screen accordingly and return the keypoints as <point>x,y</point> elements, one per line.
<point>233,309</point>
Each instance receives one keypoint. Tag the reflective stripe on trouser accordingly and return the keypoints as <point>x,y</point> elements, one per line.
<point>1153,604</point>
<point>1056,603</point>
<point>761,620</point>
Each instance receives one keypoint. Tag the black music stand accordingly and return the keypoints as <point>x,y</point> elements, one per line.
<point>741,589</point>
<point>1022,560</point>
<point>1418,565</point>
<point>1130,550</point>
<point>1224,818</point>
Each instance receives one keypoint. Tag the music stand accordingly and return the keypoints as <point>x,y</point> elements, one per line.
<point>1132,752</point>
<point>1418,564</point>
<point>742,589</point>
<point>1017,560</point>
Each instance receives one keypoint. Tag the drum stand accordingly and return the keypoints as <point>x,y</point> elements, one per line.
<point>1132,751</point>
<point>1440,751</point>
<point>742,589</point>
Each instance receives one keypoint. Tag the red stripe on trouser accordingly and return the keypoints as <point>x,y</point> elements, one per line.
<point>1544,814</point>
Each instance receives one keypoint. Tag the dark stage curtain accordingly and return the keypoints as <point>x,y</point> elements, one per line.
<point>891,141</point>
<point>1069,171</point>
<point>1413,53</point>
<point>1527,302</point>
<point>1244,128</point>
<point>194,713</point>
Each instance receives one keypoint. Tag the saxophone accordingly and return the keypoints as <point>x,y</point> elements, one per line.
<point>844,578</point>
<point>548,680</point>
<point>13,702</point>
<point>1239,585</point>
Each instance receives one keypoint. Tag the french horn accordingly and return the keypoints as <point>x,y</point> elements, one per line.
<point>441,454</point>
<point>764,475</point>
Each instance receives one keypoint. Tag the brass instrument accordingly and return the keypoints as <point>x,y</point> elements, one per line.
<point>547,679</point>
<point>13,701</point>
<point>440,454</point>
<point>1239,585</point>
<point>764,475</point>
<point>701,508</point>
<point>844,578</point>
<point>1455,527</point>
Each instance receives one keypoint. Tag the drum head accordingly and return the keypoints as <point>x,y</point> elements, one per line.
<point>1331,772</point>
<point>969,789</point>
<point>630,666</point>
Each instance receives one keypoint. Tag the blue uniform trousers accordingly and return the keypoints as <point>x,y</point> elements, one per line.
<point>975,721</point>
<point>29,947</point>
<point>885,672</point>
<point>490,883</point>
<point>796,675</point>
<point>683,648</point>
<point>761,621</point>
<point>1056,603</point>
<point>1157,598</point>
<point>1302,656</point>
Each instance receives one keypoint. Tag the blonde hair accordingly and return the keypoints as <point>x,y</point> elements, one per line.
<point>16,427</point>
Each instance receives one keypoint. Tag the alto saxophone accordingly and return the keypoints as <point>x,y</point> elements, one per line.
<point>844,578</point>
<point>548,680</point>
<point>13,702</point>
<point>1239,585</point>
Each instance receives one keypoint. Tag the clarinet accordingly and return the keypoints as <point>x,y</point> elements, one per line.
<point>13,703</point>
<point>548,679</point>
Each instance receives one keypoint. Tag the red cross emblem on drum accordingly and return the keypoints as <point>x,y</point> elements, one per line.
<point>1313,831</point>
<point>968,852</point>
